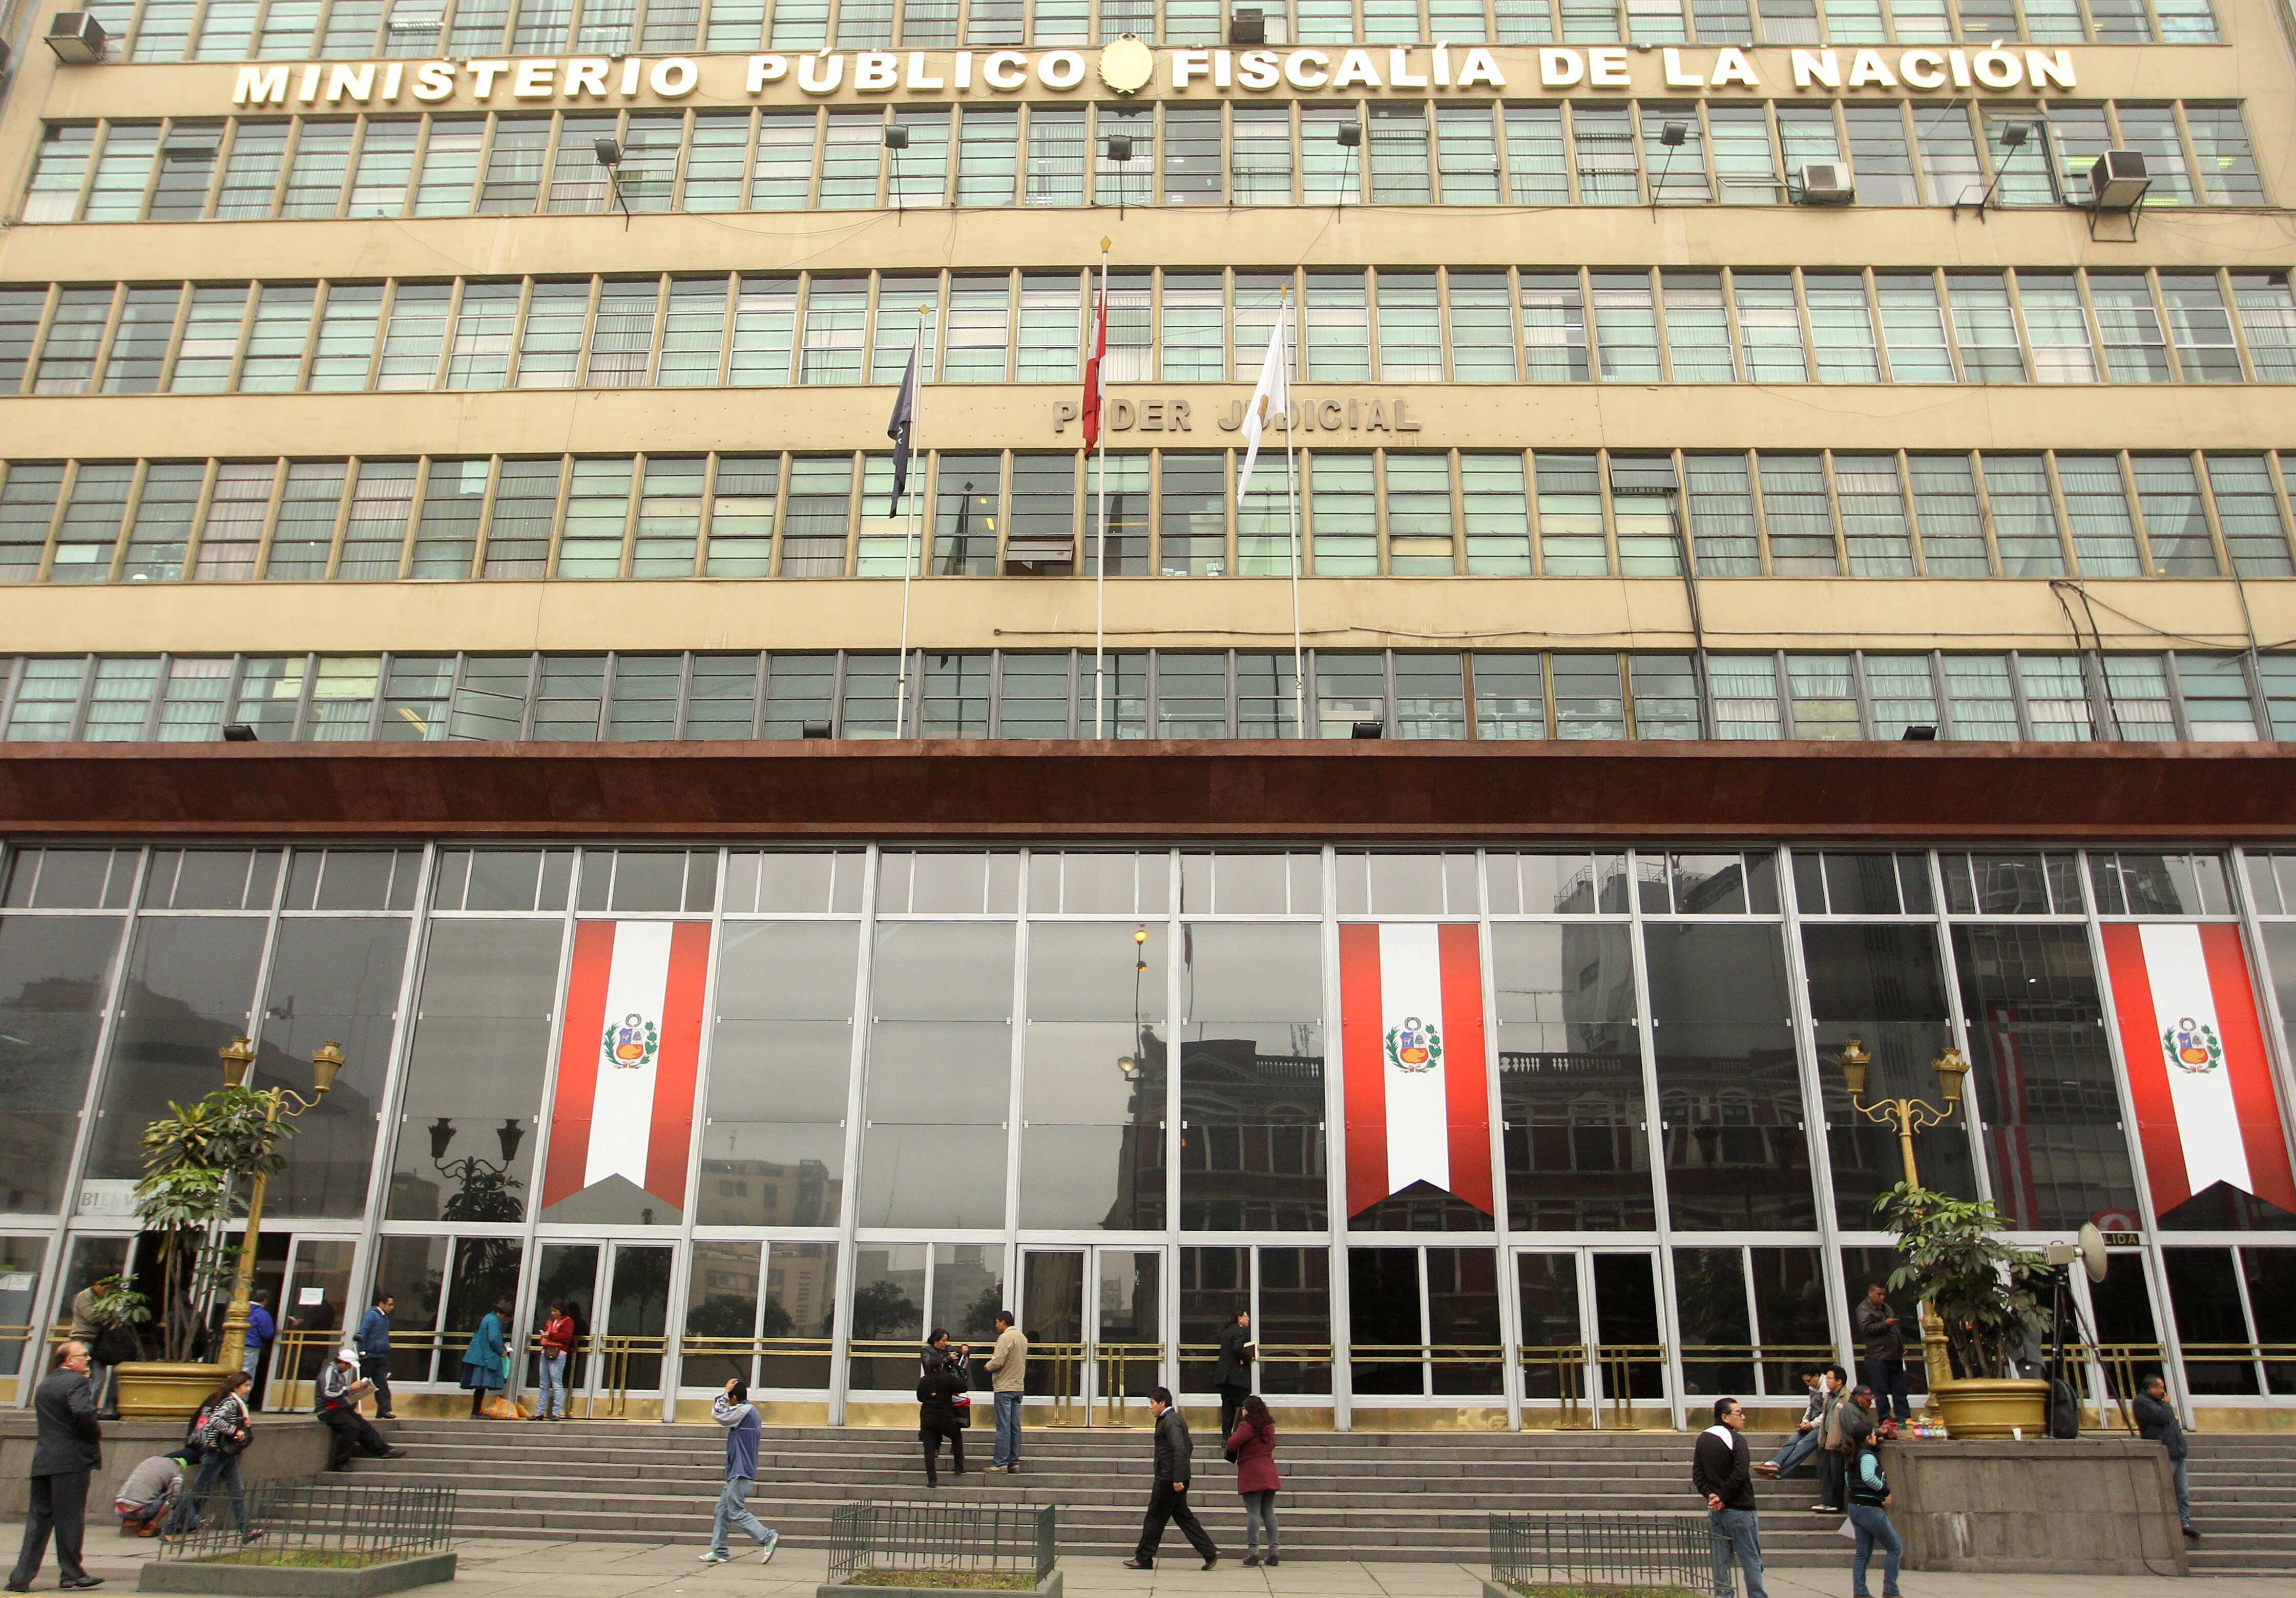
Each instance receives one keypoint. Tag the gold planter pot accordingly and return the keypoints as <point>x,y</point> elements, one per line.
<point>1978,1407</point>
<point>155,1389</point>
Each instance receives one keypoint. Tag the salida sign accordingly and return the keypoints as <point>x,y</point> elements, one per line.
<point>1127,66</point>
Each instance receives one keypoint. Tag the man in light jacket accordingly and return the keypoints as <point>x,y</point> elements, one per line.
<point>2157,1423</point>
<point>66,1453</point>
<point>1168,1502</point>
<point>733,1410</point>
<point>1720,1472</point>
<point>1008,1374</point>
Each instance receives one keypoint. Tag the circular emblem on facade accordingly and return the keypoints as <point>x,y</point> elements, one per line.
<point>1127,65</point>
<point>1415,1047</point>
<point>2191,1048</point>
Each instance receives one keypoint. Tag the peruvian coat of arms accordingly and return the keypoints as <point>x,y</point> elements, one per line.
<point>2192,1047</point>
<point>631,1043</point>
<point>1415,1047</point>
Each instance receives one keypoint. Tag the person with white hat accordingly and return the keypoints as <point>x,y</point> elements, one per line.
<point>340,1388</point>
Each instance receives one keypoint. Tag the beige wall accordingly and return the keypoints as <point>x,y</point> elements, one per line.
<point>2252,67</point>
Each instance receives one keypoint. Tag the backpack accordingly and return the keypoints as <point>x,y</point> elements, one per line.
<point>219,1430</point>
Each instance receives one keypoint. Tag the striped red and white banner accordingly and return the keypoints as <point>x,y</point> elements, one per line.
<point>628,1058</point>
<point>1410,1032</point>
<point>2198,1072</point>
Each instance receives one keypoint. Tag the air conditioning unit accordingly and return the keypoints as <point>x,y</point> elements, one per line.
<point>1827,183</point>
<point>1247,25</point>
<point>2119,180</point>
<point>76,37</point>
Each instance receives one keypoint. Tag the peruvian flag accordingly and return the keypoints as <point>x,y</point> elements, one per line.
<point>628,1058</point>
<point>2198,1073</point>
<point>1411,1033</point>
<point>1096,382</point>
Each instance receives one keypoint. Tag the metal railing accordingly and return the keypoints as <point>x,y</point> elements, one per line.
<point>1574,1364</point>
<point>325,1523</point>
<point>1119,1371</point>
<point>1752,1357</point>
<point>941,1536</point>
<point>1666,1552</point>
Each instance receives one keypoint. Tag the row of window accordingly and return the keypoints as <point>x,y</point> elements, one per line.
<point>1393,325</point>
<point>174,30</point>
<point>1412,152</point>
<point>1164,694</point>
<point>1556,513</point>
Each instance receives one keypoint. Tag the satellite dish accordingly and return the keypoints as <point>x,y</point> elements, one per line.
<point>2092,1250</point>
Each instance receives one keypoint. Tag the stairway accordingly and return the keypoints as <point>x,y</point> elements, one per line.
<point>1368,1496</point>
<point>1361,1495</point>
<point>2244,1502</point>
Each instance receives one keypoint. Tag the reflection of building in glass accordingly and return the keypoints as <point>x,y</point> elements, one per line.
<point>1251,1139</point>
<point>772,1193</point>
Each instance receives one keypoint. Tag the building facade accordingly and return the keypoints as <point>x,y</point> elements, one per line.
<point>1765,552</point>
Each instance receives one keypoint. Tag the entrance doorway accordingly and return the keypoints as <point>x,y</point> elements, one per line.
<point>1094,1318</point>
<point>619,1295</point>
<point>1592,1353</point>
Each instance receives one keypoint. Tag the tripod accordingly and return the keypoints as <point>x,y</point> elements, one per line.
<point>2065,1310</point>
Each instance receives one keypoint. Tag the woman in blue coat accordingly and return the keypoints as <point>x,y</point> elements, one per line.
<point>484,1365</point>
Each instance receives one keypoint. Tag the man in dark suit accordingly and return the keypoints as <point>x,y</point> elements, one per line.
<point>1168,1502</point>
<point>66,1453</point>
<point>1233,1375</point>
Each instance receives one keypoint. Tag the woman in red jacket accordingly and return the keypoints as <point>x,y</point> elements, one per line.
<point>1252,1446</point>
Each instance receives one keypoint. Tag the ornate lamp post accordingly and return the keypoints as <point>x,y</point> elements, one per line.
<point>279,1102</point>
<point>1908,1116</point>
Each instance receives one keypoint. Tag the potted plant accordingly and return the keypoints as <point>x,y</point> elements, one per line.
<point>195,1159</point>
<point>1978,1290</point>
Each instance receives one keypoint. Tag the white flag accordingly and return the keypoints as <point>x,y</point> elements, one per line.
<point>1272,397</point>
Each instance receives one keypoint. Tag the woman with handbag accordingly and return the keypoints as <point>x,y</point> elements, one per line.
<point>1252,1447</point>
<point>222,1432</point>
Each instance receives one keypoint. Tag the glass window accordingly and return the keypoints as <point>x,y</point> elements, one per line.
<point>333,978</point>
<point>1571,1085</point>
<point>1769,327</point>
<point>1912,328</point>
<point>1095,1078</point>
<point>2175,526</point>
<point>55,985</point>
<point>2043,1078</point>
<point>1571,536</point>
<point>1251,1078</point>
<point>1800,524</point>
<point>2227,164</point>
<point>1841,326</point>
<point>1984,331</point>
<point>622,337</point>
<point>1553,327</point>
<point>1495,513</point>
<point>1056,155</point>
<point>1746,696</point>
<point>1410,328</point>
<point>2097,503</point>
<point>1538,173</point>
<point>2249,512</point>
<point>1721,504</point>
<point>781,1052</point>
<point>1952,525</point>
<point>1604,140</point>
<point>1589,703</point>
<point>2202,327</point>
<point>934,1143</point>
<point>475,1067</point>
<point>1873,524</point>
<point>1729,1090</point>
<point>1625,327</point>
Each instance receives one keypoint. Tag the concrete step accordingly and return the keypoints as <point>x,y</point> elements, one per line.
<point>1362,1496</point>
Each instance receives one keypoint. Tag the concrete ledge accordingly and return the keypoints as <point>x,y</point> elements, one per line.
<point>284,1447</point>
<point>294,1581</point>
<point>1050,1587</point>
<point>2097,1507</point>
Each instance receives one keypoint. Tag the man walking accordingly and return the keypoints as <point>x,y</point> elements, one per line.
<point>2157,1423</point>
<point>734,1410</point>
<point>1882,1343</point>
<point>1008,1374</point>
<point>1720,1471</point>
<point>1233,1374</point>
<point>374,1344</point>
<point>1175,1448</point>
<point>66,1451</point>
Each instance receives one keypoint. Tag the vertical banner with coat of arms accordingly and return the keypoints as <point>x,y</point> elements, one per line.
<point>2198,1072</point>
<point>627,1059</point>
<point>1411,1034</point>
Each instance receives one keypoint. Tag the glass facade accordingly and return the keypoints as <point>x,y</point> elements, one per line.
<point>1107,1084</point>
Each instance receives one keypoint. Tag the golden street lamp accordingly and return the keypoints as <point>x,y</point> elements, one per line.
<point>1909,1116</point>
<point>238,1058</point>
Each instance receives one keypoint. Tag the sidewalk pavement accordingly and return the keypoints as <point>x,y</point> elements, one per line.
<point>544,1569</point>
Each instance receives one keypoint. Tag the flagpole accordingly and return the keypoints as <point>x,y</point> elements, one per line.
<point>1291,498</point>
<point>909,524</point>
<point>1099,583</point>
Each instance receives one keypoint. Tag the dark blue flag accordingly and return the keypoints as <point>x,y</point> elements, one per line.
<point>905,417</point>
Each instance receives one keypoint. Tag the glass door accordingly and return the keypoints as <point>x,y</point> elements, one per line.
<point>316,1315</point>
<point>1592,1353</point>
<point>20,1258</point>
<point>617,1294</point>
<point>1094,1318</point>
<point>567,1277</point>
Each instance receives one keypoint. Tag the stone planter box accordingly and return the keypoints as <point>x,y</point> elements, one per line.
<point>292,1581</point>
<point>2094,1506</point>
<point>1050,1587</point>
